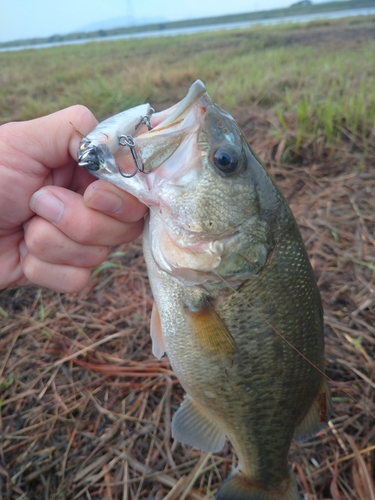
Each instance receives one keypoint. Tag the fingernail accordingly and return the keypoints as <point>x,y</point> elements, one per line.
<point>106,202</point>
<point>22,248</point>
<point>47,206</point>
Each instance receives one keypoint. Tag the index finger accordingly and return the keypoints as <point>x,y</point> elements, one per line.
<point>107,198</point>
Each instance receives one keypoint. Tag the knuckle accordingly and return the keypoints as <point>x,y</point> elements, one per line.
<point>36,236</point>
<point>101,254</point>
<point>32,268</point>
<point>92,256</point>
<point>87,233</point>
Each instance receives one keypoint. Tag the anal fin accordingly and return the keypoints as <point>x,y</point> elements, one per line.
<point>317,416</point>
<point>192,425</point>
<point>158,346</point>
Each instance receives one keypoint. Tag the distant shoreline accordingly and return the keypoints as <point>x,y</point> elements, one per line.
<point>294,10</point>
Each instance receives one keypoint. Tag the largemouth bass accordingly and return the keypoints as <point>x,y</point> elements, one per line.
<point>237,309</point>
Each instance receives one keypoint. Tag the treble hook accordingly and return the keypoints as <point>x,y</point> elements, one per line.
<point>127,140</point>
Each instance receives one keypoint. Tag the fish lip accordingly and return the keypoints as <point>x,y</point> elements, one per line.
<point>174,114</point>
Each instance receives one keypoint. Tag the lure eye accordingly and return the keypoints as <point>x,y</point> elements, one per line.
<point>226,159</point>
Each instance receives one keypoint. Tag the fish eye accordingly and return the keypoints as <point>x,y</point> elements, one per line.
<point>226,159</point>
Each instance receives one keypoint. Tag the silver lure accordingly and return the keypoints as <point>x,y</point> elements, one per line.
<point>97,149</point>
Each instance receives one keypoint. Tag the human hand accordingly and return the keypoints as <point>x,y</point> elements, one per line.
<point>55,222</point>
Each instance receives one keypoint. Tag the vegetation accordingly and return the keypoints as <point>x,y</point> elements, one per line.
<point>84,407</point>
<point>303,73</point>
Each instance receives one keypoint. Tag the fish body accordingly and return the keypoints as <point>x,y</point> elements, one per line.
<point>237,308</point>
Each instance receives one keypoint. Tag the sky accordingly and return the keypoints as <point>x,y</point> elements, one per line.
<point>21,19</point>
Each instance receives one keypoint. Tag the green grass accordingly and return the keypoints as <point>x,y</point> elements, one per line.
<point>313,89</point>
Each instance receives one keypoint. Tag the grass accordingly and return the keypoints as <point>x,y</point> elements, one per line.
<point>281,68</point>
<point>85,408</point>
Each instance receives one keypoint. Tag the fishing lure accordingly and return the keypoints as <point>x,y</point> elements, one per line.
<point>98,149</point>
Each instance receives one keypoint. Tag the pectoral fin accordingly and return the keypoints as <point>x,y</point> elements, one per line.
<point>317,416</point>
<point>158,346</point>
<point>192,425</point>
<point>210,331</point>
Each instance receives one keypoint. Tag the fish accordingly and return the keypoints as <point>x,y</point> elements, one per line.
<point>236,304</point>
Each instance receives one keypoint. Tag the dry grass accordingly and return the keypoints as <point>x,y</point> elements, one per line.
<point>86,409</point>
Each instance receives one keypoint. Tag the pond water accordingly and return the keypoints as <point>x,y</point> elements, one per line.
<point>209,27</point>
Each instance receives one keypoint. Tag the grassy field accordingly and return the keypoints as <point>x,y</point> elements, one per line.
<point>320,75</point>
<point>85,408</point>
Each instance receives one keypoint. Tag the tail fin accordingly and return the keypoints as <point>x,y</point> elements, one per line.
<point>237,487</point>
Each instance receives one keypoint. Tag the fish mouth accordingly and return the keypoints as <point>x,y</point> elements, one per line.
<point>182,258</point>
<point>196,240</point>
<point>169,129</point>
<point>170,117</point>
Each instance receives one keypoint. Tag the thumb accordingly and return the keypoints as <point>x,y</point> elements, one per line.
<point>51,141</point>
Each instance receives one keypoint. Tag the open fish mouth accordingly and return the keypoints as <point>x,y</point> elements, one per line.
<point>169,117</point>
<point>170,128</point>
<point>152,138</point>
<point>131,130</point>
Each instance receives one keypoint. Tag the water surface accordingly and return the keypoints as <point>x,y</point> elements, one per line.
<point>205,28</point>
